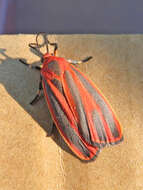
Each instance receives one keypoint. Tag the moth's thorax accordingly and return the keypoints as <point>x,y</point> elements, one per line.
<point>53,66</point>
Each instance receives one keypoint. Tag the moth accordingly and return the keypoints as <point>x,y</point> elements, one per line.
<point>79,110</point>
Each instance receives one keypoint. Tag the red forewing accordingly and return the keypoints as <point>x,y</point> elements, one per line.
<point>79,110</point>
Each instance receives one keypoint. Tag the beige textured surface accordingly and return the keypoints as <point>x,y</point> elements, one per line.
<point>29,159</point>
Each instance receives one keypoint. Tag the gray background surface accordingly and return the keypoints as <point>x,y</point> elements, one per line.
<point>74,16</point>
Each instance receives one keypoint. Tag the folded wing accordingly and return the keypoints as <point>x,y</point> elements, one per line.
<point>82,115</point>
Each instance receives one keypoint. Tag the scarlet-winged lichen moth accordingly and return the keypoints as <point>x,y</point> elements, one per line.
<point>80,112</point>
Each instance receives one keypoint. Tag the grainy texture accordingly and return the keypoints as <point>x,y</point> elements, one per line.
<point>29,159</point>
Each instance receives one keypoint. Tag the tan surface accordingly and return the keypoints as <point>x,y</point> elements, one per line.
<point>29,159</point>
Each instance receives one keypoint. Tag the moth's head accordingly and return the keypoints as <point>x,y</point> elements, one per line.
<point>43,42</point>
<point>46,56</point>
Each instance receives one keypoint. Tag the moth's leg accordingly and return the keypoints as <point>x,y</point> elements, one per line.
<point>30,66</point>
<point>80,61</point>
<point>37,97</point>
